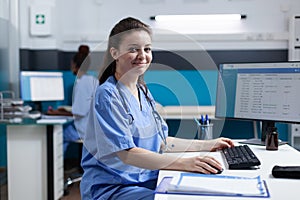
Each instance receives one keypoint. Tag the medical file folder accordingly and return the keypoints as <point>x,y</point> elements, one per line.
<point>213,185</point>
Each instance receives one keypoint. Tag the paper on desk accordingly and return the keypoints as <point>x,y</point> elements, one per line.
<point>51,121</point>
<point>217,184</point>
<point>56,117</point>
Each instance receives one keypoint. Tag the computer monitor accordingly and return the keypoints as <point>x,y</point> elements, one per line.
<point>266,92</point>
<point>37,86</point>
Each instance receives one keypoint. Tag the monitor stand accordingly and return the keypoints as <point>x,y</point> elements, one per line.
<point>257,141</point>
<point>37,106</point>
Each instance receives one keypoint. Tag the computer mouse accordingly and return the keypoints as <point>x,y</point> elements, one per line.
<point>218,170</point>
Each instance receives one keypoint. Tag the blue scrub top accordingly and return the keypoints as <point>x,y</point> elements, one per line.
<point>83,92</point>
<point>117,122</point>
<point>83,95</point>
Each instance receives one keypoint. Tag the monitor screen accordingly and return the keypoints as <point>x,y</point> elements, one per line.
<point>41,86</point>
<point>259,91</point>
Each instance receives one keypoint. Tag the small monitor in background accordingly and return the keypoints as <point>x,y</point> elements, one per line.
<point>39,86</point>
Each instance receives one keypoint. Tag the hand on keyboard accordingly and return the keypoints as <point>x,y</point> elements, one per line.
<point>240,157</point>
<point>219,143</point>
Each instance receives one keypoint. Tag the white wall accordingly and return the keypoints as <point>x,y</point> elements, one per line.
<point>89,21</point>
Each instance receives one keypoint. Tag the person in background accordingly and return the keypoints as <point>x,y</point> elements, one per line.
<point>84,87</point>
<point>122,158</point>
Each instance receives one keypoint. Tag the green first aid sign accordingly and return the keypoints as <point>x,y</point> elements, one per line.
<point>40,19</point>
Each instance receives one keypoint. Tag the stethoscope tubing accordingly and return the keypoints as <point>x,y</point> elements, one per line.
<point>156,115</point>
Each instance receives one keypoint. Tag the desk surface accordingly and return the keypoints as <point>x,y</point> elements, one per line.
<point>185,112</point>
<point>29,121</point>
<point>279,188</point>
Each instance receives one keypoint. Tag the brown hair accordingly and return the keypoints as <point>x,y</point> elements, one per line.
<point>81,59</point>
<point>116,36</point>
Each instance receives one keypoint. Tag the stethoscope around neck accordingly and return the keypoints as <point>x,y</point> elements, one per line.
<point>157,118</point>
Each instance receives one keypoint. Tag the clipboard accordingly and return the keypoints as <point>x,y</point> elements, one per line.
<point>163,188</point>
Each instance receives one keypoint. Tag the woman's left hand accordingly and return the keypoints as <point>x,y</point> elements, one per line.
<point>219,143</point>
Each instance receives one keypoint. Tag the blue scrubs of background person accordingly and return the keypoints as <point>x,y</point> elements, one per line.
<point>70,134</point>
<point>84,89</point>
<point>124,136</point>
<point>83,94</point>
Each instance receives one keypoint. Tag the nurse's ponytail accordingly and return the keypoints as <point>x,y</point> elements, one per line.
<point>108,68</point>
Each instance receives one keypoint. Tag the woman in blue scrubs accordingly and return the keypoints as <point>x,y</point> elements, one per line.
<point>125,137</point>
<point>83,91</point>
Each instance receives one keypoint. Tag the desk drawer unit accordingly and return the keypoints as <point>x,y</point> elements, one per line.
<point>58,167</point>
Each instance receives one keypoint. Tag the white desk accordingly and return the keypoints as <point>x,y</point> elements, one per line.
<point>279,188</point>
<point>185,112</point>
<point>35,161</point>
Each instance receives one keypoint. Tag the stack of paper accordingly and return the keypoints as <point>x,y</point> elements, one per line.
<point>51,121</point>
<point>202,184</point>
<point>57,117</point>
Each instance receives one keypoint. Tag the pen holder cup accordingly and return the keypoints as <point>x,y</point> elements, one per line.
<point>205,132</point>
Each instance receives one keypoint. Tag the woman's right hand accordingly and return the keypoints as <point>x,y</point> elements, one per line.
<point>202,164</point>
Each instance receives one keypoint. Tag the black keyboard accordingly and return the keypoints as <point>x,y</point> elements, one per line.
<point>240,157</point>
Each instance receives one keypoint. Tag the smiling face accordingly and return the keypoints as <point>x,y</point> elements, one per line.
<point>134,54</point>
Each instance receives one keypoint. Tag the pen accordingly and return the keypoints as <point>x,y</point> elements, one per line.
<point>202,120</point>
<point>206,120</point>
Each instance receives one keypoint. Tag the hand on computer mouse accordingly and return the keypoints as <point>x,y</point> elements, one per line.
<point>219,171</point>
<point>201,164</point>
<point>214,167</point>
<point>211,165</point>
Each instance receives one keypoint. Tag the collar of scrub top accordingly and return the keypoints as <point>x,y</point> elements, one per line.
<point>156,115</point>
<point>123,101</point>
